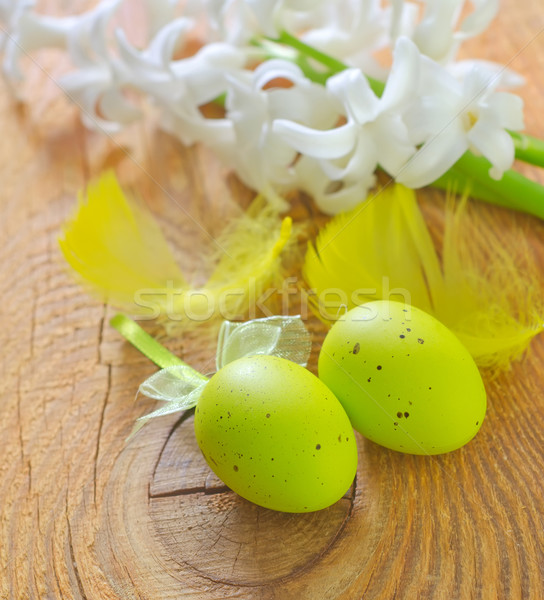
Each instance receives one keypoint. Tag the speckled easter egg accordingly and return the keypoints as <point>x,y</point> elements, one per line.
<point>405,379</point>
<point>276,435</point>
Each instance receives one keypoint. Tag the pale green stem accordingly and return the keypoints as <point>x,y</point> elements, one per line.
<point>331,64</point>
<point>513,190</point>
<point>528,148</point>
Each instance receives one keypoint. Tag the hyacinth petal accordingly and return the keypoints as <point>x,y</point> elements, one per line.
<point>129,55</point>
<point>87,36</point>
<point>353,90</point>
<point>477,21</point>
<point>97,31</point>
<point>495,144</point>
<point>347,197</point>
<point>87,88</point>
<point>159,13</point>
<point>426,118</point>
<point>309,106</point>
<point>311,179</point>
<point>362,160</point>
<point>163,46</point>
<point>265,13</point>
<point>393,149</point>
<point>404,76</point>
<point>330,144</point>
<point>508,109</point>
<point>434,35</point>
<point>507,78</point>
<point>188,125</point>
<point>204,86</point>
<point>276,69</point>
<point>478,83</point>
<point>434,158</point>
<point>435,80</point>
<point>218,55</point>
<point>115,107</point>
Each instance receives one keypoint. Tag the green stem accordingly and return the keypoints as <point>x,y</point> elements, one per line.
<point>147,345</point>
<point>512,191</point>
<point>332,64</point>
<point>528,148</point>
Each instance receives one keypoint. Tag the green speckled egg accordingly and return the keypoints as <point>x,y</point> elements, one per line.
<point>276,435</point>
<point>405,380</point>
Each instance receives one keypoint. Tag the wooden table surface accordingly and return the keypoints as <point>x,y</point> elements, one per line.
<point>83,515</point>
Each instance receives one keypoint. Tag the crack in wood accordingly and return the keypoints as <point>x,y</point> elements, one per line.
<point>188,491</point>
<point>101,335</point>
<point>132,582</point>
<point>38,515</point>
<point>29,465</point>
<point>72,553</point>
<point>55,572</point>
<point>20,419</point>
<point>33,324</point>
<point>99,434</point>
<point>184,416</point>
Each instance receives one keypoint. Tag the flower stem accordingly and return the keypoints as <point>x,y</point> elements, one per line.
<point>528,148</point>
<point>512,191</point>
<point>332,64</point>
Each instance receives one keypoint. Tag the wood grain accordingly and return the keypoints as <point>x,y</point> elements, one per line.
<point>84,516</point>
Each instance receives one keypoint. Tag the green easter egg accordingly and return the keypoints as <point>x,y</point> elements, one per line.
<point>276,435</point>
<point>405,379</point>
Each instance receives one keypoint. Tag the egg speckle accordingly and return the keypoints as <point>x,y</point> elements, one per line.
<point>428,399</point>
<point>289,445</point>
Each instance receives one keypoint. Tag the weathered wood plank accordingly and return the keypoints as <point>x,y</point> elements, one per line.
<point>83,515</point>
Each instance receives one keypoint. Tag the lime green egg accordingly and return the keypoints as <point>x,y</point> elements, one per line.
<point>404,379</point>
<point>276,435</point>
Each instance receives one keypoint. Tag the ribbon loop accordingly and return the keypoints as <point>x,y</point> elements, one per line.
<point>282,336</point>
<point>180,386</point>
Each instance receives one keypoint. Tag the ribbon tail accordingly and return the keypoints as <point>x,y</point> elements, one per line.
<point>184,401</point>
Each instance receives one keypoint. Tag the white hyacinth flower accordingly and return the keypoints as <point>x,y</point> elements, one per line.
<point>373,134</point>
<point>25,31</point>
<point>255,100</point>
<point>96,84</point>
<point>273,15</point>
<point>181,87</point>
<point>442,28</point>
<point>352,31</point>
<point>451,116</point>
<point>280,130</point>
<point>100,79</point>
<point>160,13</point>
<point>192,83</point>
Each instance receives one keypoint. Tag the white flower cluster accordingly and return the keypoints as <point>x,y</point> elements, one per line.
<point>281,129</point>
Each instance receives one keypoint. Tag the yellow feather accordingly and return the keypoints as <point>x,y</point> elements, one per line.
<point>486,293</point>
<point>118,250</point>
<point>251,252</point>
<point>115,246</point>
